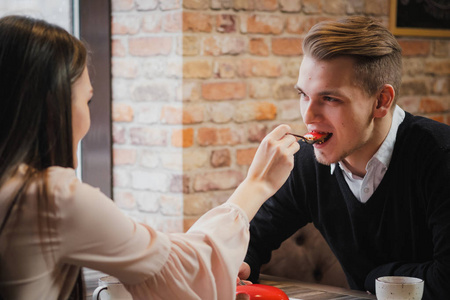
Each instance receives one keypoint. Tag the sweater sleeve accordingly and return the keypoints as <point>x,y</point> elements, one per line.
<point>278,218</point>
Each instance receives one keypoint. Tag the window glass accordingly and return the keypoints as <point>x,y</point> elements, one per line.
<point>54,11</point>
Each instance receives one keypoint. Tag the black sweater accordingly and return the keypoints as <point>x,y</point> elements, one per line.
<point>403,229</point>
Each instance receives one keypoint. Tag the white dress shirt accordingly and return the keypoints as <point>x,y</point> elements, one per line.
<point>364,187</point>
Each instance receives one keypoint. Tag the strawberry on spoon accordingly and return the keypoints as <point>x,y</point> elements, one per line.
<point>314,137</point>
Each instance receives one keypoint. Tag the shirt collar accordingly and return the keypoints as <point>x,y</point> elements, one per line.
<point>384,153</point>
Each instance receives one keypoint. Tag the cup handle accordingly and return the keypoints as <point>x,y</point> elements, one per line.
<point>97,291</point>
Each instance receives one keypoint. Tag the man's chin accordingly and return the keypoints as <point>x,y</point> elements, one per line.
<point>324,160</point>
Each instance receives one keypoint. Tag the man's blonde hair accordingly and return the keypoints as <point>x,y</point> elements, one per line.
<point>377,54</point>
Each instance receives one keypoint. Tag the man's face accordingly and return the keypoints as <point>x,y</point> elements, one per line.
<point>331,102</point>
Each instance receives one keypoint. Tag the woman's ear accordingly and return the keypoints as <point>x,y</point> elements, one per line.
<point>384,102</point>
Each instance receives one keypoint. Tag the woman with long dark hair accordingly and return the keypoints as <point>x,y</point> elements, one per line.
<point>52,224</point>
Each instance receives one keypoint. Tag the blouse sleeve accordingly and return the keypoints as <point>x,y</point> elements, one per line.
<point>200,264</point>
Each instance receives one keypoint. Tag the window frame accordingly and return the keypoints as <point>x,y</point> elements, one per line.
<point>96,146</point>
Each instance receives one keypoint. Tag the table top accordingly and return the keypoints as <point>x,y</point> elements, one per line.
<point>294,289</point>
<point>310,291</point>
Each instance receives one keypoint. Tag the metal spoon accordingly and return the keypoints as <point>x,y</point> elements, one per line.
<point>319,140</point>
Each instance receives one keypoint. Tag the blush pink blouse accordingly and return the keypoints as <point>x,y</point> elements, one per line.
<point>90,231</point>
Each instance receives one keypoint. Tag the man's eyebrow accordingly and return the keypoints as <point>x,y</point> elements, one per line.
<point>333,92</point>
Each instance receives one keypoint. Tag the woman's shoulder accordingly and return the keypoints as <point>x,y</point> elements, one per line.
<point>69,192</point>
<point>61,178</point>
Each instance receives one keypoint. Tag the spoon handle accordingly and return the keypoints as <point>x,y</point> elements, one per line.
<point>296,135</point>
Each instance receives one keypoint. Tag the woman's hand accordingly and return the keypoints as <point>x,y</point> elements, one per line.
<point>274,160</point>
<point>270,168</point>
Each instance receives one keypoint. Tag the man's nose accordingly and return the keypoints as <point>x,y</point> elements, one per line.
<point>311,112</point>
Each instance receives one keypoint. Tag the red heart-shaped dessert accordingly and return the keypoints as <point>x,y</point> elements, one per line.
<point>261,292</point>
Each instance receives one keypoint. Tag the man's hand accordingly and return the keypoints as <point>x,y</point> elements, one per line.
<point>244,273</point>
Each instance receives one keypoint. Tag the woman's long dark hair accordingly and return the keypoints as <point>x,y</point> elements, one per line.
<point>38,64</point>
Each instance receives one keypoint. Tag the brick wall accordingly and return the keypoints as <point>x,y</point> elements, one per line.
<point>198,83</point>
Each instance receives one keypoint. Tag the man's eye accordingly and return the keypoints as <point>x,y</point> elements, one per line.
<point>302,95</point>
<point>330,99</point>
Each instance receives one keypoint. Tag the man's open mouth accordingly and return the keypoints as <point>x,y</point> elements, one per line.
<point>318,137</point>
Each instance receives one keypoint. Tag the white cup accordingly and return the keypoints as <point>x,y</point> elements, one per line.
<point>399,288</point>
<point>110,288</point>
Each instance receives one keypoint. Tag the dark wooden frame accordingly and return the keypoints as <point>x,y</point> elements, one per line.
<point>96,153</point>
<point>412,31</point>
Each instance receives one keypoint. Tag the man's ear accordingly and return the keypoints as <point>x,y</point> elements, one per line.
<point>384,102</point>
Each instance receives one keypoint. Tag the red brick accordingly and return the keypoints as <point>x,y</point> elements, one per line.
<point>255,110</point>
<point>171,205</point>
<point>409,103</point>
<point>290,5</point>
<point>118,134</point>
<point>226,23</point>
<point>122,112</point>
<point>125,25</point>
<point>289,110</point>
<point>285,90</point>
<point>221,158</point>
<point>221,112</point>
<point>223,45</point>
<point>197,22</point>
<point>258,46</point>
<point>266,5</point>
<point>207,136</point>
<point>377,7</point>
<point>151,91</point>
<point>173,22</point>
<point>124,156</point>
<point>256,132</point>
<point>197,69</point>
<point>196,204</point>
<point>301,24</point>
<point>145,5</point>
<point>438,67</point>
<point>152,23</point>
<point>190,45</point>
<point>196,4</point>
<point>150,46</point>
<point>415,47</point>
<point>121,178</point>
<point>264,24</point>
<point>170,4</point>
<point>148,136</point>
<point>224,90</point>
<point>336,7</point>
<point>430,105</point>
<point>124,68</point>
<point>183,138</point>
<point>265,111</point>
<point>287,46</point>
<point>260,89</point>
<point>312,6</point>
<point>260,68</point>
<point>122,5</point>
<point>261,5</point>
<point>212,181</point>
<point>244,157</point>
<point>225,69</point>
<point>441,48</point>
<point>118,48</point>
<point>180,184</point>
<point>182,115</point>
<point>124,200</point>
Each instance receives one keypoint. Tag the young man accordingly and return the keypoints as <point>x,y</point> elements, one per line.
<point>378,188</point>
